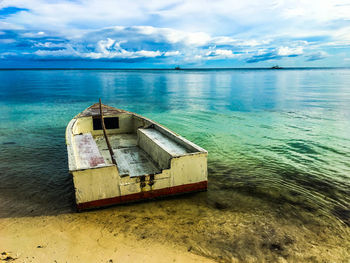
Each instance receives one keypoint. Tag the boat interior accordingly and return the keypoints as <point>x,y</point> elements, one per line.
<point>140,146</point>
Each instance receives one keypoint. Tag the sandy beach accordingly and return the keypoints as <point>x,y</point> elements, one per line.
<point>74,238</point>
<point>185,229</point>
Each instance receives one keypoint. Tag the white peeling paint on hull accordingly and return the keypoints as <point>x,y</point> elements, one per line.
<point>151,161</point>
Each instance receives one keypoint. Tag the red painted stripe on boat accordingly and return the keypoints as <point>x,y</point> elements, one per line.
<point>187,188</point>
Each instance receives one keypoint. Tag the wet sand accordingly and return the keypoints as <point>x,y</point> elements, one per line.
<point>191,228</point>
<point>81,238</point>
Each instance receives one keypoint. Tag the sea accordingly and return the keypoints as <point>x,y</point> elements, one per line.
<point>278,143</point>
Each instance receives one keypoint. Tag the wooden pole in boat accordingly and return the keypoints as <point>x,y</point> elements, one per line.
<point>105,134</point>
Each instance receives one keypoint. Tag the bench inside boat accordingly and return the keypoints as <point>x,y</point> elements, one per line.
<point>146,152</point>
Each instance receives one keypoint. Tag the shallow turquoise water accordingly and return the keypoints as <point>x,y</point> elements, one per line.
<point>280,135</point>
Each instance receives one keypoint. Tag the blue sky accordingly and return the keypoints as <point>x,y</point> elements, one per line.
<point>164,34</point>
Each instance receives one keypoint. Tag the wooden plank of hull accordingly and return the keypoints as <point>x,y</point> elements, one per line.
<point>180,189</point>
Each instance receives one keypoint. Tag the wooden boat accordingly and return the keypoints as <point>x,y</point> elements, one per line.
<point>127,157</point>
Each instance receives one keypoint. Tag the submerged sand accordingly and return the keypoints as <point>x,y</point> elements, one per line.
<point>191,228</point>
<point>77,238</point>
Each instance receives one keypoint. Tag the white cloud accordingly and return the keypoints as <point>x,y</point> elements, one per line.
<point>220,54</point>
<point>287,51</point>
<point>222,17</point>
<point>316,10</point>
<point>172,35</point>
<point>10,26</point>
<point>342,35</point>
<point>7,40</point>
<point>110,48</point>
<point>197,39</point>
<point>67,52</point>
<point>4,55</point>
<point>119,43</point>
<point>49,45</point>
<point>172,53</point>
<point>189,30</point>
<point>105,49</point>
<point>103,46</point>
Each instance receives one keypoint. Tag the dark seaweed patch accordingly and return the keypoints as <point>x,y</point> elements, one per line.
<point>294,193</point>
<point>342,213</point>
<point>324,147</point>
<point>220,206</point>
<point>8,143</point>
<point>276,243</point>
<point>259,193</point>
<point>301,147</point>
<point>275,246</point>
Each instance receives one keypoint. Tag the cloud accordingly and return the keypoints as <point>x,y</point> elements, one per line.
<point>289,52</point>
<point>111,49</point>
<point>242,31</point>
<point>172,53</point>
<point>133,43</point>
<point>277,53</point>
<point>7,41</point>
<point>106,49</point>
<point>317,56</point>
<point>223,17</point>
<point>5,55</point>
<point>220,54</point>
<point>49,45</point>
<point>67,53</point>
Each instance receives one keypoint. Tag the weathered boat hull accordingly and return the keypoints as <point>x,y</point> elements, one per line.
<point>150,160</point>
<point>163,192</point>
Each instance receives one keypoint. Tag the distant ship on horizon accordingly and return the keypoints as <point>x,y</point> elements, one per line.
<point>276,67</point>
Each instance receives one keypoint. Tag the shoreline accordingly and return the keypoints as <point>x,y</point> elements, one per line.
<point>71,238</point>
<point>184,229</point>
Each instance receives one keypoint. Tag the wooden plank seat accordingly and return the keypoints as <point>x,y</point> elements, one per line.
<point>160,147</point>
<point>88,152</point>
<point>165,142</point>
<point>133,161</point>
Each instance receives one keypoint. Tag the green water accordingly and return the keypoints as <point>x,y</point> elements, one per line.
<point>278,142</point>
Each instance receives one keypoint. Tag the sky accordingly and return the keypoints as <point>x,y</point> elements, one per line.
<point>169,33</point>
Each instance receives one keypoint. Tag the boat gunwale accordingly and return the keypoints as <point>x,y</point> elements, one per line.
<point>95,167</point>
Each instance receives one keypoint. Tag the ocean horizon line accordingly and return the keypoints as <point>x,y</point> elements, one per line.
<point>176,69</point>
